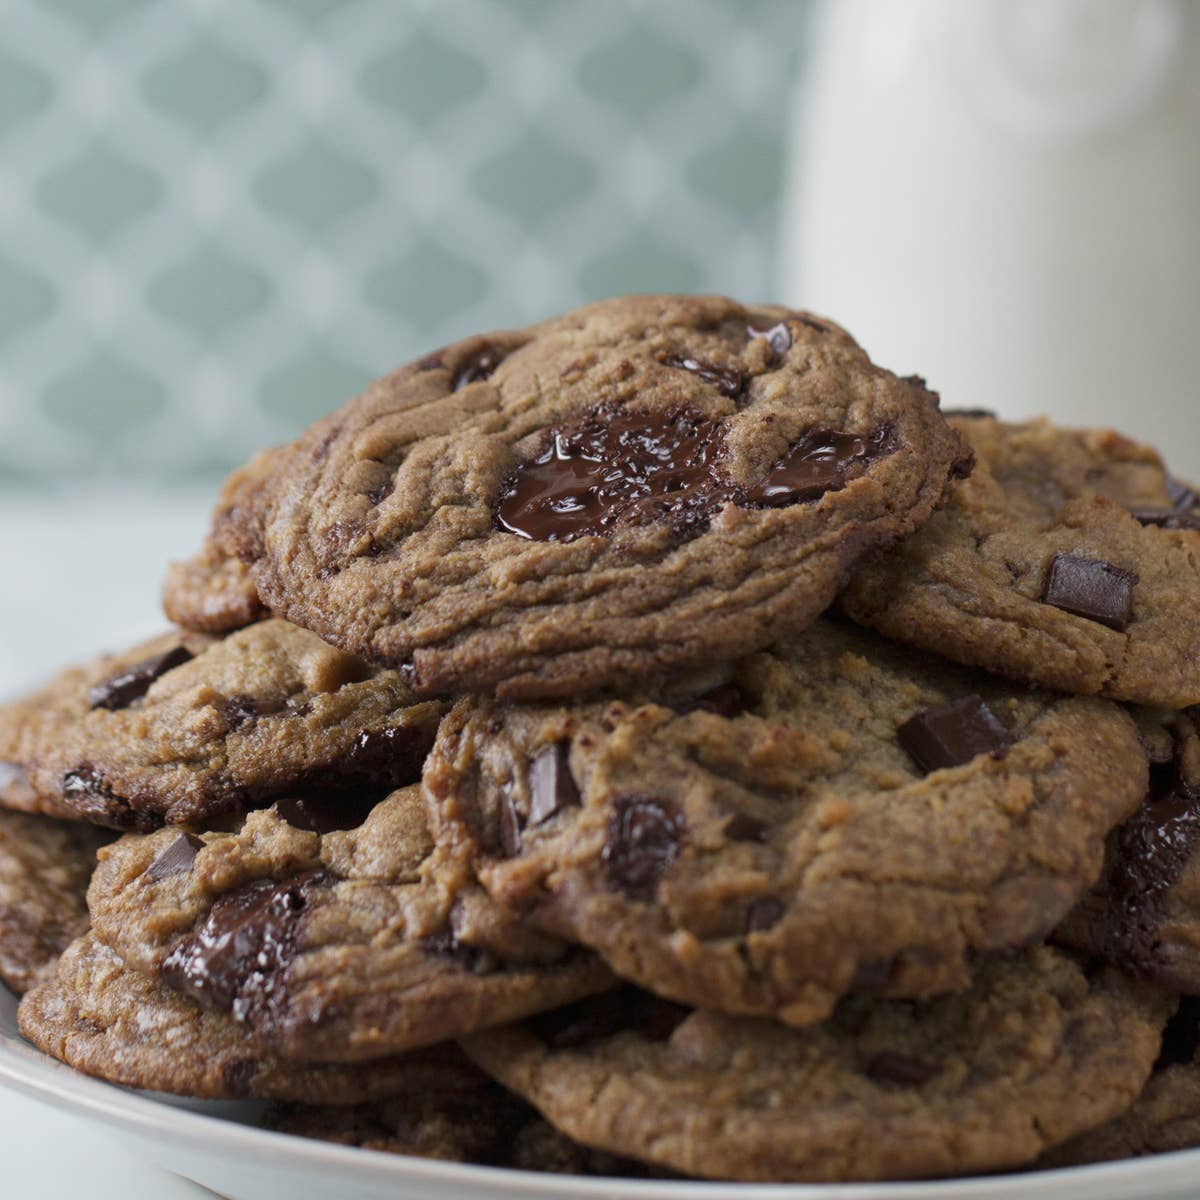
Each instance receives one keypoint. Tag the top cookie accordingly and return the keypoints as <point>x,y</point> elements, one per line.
<point>1069,559</point>
<point>639,485</point>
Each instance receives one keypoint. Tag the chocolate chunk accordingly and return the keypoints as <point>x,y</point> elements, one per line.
<point>238,1075</point>
<point>964,412</point>
<point>134,682</point>
<point>93,800</point>
<point>175,859</point>
<point>233,962</point>
<point>728,700</point>
<point>729,381</point>
<point>1183,495</point>
<point>551,785</point>
<point>820,462</point>
<point>510,826</point>
<point>1168,518</point>
<point>470,958</point>
<point>953,734</point>
<point>741,828</point>
<point>478,367</point>
<point>1091,588</point>
<point>619,468</point>
<point>391,757</point>
<point>644,836</point>
<point>239,711</point>
<point>1152,849</point>
<point>326,813</point>
<point>779,337</point>
<point>901,1069</point>
<point>763,914</point>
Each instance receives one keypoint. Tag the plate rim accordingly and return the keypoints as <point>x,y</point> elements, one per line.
<point>28,1070</point>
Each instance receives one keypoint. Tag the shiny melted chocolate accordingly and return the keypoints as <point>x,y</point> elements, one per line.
<point>636,468</point>
<point>1152,850</point>
<point>235,960</point>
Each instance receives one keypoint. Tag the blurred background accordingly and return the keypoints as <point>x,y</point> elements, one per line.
<point>220,218</point>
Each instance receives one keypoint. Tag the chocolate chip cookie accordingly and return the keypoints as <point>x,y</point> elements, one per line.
<point>450,1111</point>
<point>1034,1053</point>
<point>458,1114</point>
<point>1144,913</point>
<point>188,727</point>
<point>1165,1117</point>
<point>213,591</point>
<point>99,1017</point>
<point>330,943</point>
<point>44,871</point>
<point>838,813</point>
<point>640,485</point>
<point>1069,559</point>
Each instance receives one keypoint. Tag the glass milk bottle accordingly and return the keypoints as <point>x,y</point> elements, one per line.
<point>1004,196</point>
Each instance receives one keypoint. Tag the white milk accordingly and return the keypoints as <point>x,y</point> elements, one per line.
<point>1004,196</point>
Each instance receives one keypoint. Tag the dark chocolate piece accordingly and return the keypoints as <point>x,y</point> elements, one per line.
<point>779,337</point>
<point>821,461</point>
<point>551,785</point>
<point>644,839</point>
<point>386,758</point>
<point>94,801</point>
<point>175,859</point>
<point>729,381</point>
<point>326,812</point>
<point>1168,518</point>
<point>613,468</point>
<point>953,734</point>
<point>134,682</point>
<point>1152,849</point>
<point>234,960</point>
<point>964,412</point>
<point>900,1069</point>
<point>763,914</point>
<point>1183,495</point>
<point>1091,588</point>
<point>479,366</point>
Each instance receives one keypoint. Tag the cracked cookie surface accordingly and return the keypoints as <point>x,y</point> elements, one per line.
<point>99,1017</point>
<point>188,727</point>
<point>329,943</point>
<point>1069,559</point>
<point>636,486</point>
<point>837,813</point>
<point>1035,1052</point>
<point>45,866</point>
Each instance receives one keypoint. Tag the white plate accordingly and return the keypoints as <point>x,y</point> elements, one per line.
<point>216,1145</point>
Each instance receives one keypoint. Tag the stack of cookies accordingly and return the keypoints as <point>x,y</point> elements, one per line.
<point>655,742</point>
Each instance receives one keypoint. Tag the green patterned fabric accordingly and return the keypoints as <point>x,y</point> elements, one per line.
<point>219,218</point>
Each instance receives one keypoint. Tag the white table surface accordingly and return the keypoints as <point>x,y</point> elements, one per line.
<point>81,575</point>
